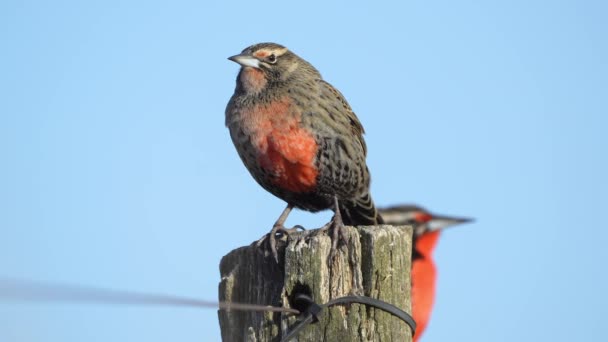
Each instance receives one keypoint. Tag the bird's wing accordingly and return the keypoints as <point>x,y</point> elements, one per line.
<point>338,102</point>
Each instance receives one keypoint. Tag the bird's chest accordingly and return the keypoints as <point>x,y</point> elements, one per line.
<point>252,80</point>
<point>284,151</point>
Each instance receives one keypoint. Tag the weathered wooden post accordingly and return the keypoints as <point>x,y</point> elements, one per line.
<point>375,261</point>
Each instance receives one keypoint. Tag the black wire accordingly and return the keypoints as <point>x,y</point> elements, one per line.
<point>313,310</point>
<point>25,290</point>
<point>390,308</point>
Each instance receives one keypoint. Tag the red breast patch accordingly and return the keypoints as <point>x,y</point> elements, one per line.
<point>286,150</point>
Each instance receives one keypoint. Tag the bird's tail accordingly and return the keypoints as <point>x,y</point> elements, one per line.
<point>361,212</point>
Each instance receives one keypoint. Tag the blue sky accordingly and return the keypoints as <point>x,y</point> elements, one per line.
<point>117,170</point>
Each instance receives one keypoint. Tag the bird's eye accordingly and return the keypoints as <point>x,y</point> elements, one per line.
<point>272,58</point>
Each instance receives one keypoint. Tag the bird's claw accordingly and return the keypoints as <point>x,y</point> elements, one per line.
<point>335,228</point>
<point>271,238</point>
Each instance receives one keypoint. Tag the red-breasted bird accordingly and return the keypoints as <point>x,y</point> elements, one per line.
<point>299,139</point>
<point>427,227</point>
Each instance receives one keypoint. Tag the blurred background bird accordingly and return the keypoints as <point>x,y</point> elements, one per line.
<point>427,228</point>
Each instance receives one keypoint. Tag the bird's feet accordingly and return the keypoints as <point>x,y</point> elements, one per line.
<point>270,239</point>
<point>335,228</point>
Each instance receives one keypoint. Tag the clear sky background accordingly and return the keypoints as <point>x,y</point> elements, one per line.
<point>117,170</point>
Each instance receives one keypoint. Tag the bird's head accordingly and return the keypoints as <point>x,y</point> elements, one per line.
<point>421,219</point>
<point>268,64</point>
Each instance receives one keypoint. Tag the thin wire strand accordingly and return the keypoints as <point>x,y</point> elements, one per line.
<point>24,290</point>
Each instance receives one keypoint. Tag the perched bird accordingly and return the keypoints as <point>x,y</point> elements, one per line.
<point>299,139</point>
<point>427,227</point>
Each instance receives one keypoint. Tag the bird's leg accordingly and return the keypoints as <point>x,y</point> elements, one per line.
<point>278,228</point>
<point>336,224</point>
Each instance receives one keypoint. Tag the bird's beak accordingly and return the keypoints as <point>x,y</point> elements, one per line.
<point>441,222</point>
<point>246,60</point>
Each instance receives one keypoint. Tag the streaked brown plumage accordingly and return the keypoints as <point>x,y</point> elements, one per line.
<point>299,138</point>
